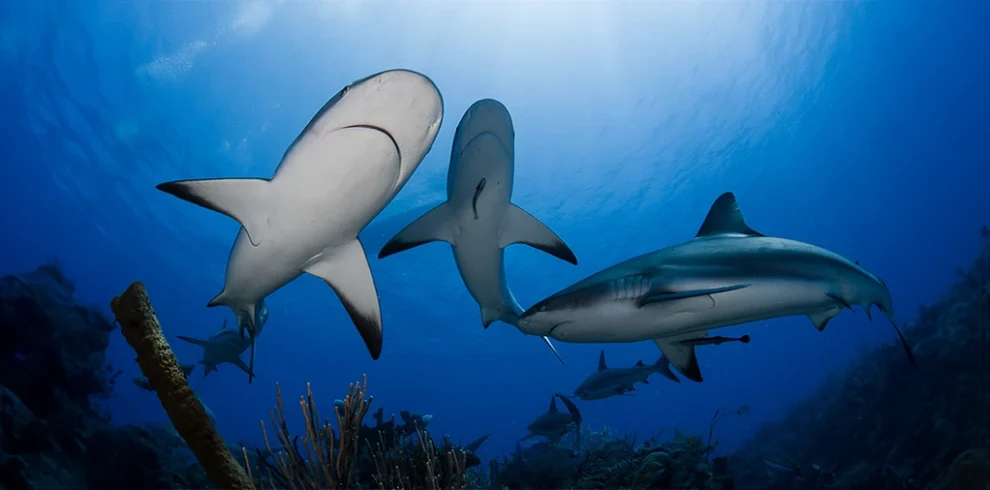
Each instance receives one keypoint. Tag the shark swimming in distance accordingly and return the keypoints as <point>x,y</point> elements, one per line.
<point>226,345</point>
<point>554,424</point>
<point>606,382</point>
<point>348,163</point>
<point>478,219</point>
<point>727,275</point>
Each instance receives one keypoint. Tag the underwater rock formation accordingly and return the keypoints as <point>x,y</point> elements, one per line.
<point>53,373</point>
<point>884,424</point>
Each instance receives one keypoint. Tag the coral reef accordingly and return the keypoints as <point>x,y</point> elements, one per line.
<point>885,424</point>
<point>606,461</point>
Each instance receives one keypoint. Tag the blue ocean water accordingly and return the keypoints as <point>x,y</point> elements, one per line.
<point>862,127</point>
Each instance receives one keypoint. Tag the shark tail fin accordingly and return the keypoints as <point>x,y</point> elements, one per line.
<point>430,227</point>
<point>663,368</point>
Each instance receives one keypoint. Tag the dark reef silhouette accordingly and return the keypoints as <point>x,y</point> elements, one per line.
<point>879,424</point>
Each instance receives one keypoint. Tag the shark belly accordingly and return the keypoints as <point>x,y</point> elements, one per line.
<point>480,263</point>
<point>625,321</point>
<point>306,191</point>
<point>762,300</point>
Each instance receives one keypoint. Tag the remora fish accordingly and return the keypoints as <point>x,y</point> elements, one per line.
<point>607,382</point>
<point>478,219</point>
<point>727,275</point>
<point>338,174</point>
<point>226,345</point>
<point>554,424</point>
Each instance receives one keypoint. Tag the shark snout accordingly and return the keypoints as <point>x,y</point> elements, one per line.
<point>404,104</point>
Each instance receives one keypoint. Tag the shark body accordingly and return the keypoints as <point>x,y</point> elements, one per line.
<point>226,345</point>
<point>554,424</point>
<point>727,275</point>
<point>348,163</point>
<point>606,382</point>
<point>478,219</point>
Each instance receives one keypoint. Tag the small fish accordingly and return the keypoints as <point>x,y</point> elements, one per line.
<point>715,340</point>
<point>782,468</point>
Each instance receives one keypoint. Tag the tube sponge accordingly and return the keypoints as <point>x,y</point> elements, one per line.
<point>142,331</point>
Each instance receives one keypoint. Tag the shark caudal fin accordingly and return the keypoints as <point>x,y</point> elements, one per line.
<point>518,226</point>
<point>246,200</point>
<point>663,369</point>
<point>433,226</point>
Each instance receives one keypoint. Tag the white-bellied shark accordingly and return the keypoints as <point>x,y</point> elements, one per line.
<point>347,164</point>
<point>727,275</point>
<point>478,219</point>
<point>606,382</point>
<point>226,345</point>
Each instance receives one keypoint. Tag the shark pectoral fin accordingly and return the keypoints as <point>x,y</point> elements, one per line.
<point>725,218</point>
<point>821,318</point>
<point>518,226</point>
<point>682,356</point>
<point>345,268</point>
<point>553,349</point>
<point>663,368</point>
<point>199,342</point>
<point>430,227</point>
<point>490,315</point>
<point>237,361</point>
<point>659,297</point>
<point>246,200</point>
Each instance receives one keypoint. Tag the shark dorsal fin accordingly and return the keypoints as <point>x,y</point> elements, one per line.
<point>601,361</point>
<point>553,404</point>
<point>725,218</point>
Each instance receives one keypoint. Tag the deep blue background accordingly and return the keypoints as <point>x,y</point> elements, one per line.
<point>863,127</point>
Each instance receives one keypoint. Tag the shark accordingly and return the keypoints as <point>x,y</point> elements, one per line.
<point>727,275</point>
<point>606,382</point>
<point>226,345</point>
<point>554,424</point>
<point>346,165</point>
<point>478,219</point>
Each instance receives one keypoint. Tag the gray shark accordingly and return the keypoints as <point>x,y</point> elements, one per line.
<point>226,345</point>
<point>607,382</point>
<point>554,424</point>
<point>348,163</point>
<point>727,275</point>
<point>478,219</point>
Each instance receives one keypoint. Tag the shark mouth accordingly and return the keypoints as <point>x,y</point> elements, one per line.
<point>550,333</point>
<point>398,151</point>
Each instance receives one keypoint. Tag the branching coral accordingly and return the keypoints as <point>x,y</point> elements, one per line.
<point>329,460</point>
<point>420,464</point>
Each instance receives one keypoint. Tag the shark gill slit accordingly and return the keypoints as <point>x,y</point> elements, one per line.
<point>477,192</point>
